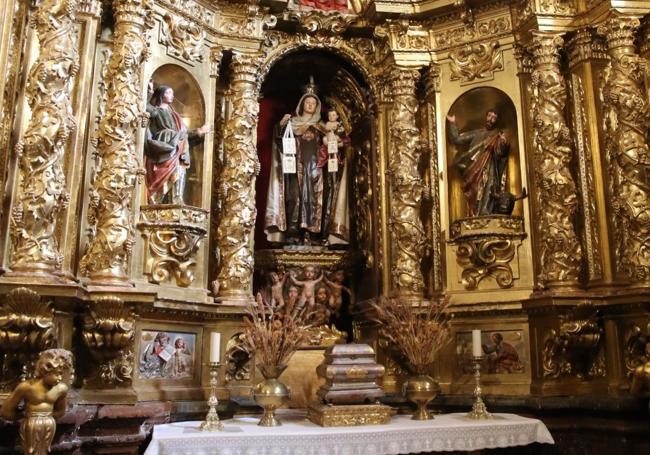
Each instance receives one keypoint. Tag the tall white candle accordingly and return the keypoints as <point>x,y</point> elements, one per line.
<point>215,347</point>
<point>477,351</point>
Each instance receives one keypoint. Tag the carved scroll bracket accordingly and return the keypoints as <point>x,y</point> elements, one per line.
<point>172,236</point>
<point>184,39</point>
<point>476,61</point>
<point>576,348</point>
<point>26,328</point>
<point>109,333</point>
<point>486,247</point>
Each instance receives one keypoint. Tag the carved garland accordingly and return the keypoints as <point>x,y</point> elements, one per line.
<point>237,191</point>
<point>626,122</point>
<point>557,201</point>
<point>109,211</point>
<point>407,232</point>
<point>40,152</point>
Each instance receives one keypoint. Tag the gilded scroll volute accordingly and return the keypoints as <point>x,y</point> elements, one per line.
<point>238,359</point>
<point>26,328</point>
<point>40,151</point>
<point>184,39</point>
<point>108,333</point>
<point>475,61</point>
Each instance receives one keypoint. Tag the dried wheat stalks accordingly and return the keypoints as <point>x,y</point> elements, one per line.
<point>419,330</point>
<point>273,334</point>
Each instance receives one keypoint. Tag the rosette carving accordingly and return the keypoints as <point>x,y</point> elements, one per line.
<point>407,232</point>
<point>556,197</point>
<point>26,328</point>
<point>108,333</point>
<point>237,188</point>
<point>626,123</point>
<point>40,151</point>
<point>111,195</point>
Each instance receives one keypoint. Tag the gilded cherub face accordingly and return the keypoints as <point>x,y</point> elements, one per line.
<point>309,273</point>
<point>321,295</point>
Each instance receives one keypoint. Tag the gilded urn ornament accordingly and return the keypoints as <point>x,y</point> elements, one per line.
<point>271,394</point>
<point>421,389</point>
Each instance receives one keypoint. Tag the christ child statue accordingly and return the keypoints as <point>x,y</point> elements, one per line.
<point>333,139</point>
<point>308,285</point>
<point>44,398</point>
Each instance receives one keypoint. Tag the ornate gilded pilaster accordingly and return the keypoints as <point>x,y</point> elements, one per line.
<point>42,194</point>
<point>110,213</point>
<point>237,192</point>
<point>626,125</point>
<point>406,186</point>
<point>556,200</point>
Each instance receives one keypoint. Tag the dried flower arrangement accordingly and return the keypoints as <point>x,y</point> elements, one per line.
<point>420,330</point>
<point>275,333</point>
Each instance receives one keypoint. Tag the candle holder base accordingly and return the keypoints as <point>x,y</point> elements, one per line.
<point>212,422</point>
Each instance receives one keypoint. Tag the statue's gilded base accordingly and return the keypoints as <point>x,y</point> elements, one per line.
<point>349,415</point>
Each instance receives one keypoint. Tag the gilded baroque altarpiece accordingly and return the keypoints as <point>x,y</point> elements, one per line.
<point>548,252</point>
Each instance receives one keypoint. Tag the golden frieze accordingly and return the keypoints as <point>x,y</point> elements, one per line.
<point>305,256</point>
<point>349,415</point>
<point>315,21</point>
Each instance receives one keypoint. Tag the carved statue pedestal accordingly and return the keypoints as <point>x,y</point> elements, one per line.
<point>486,251</point>
<point>298,257</point>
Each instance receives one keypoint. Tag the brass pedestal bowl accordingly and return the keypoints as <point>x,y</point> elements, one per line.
<point>271,394</point>
<point>421,389</point>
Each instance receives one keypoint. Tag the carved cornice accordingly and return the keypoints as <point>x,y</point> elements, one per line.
<point>488,27</point>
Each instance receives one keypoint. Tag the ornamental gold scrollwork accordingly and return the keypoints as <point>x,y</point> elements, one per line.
<point>479,30</point>
<point>26,328</point>
<point>238,359</point>
<point>40,151</point>
<point>574,349</point>
<point>184,39</point>
<point>478,61</point>
<point>407,232</point>
<point>626,121</point>
<point>363,203</point>
<point>315,21</point>
<point>111,195</point>
<point>108,333</point>
<point>237,188</point>
<point>172,238</point>
<point>556,198</point>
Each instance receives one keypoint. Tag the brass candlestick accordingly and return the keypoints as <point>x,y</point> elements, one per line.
<point>211,422</point>
<point>479,411</point>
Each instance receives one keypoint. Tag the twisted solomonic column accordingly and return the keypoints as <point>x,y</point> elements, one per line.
<point>237,187</point>
<point>110,210</point>
<point>42,194</point>
<point>406,186</point>
<point>626,124</point>
<point>556,198</point>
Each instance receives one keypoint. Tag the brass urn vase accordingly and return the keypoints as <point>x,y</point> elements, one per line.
<point>421,389</point>
<point>271,394</point>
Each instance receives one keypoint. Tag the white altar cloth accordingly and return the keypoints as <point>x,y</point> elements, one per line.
<point>447,432</point>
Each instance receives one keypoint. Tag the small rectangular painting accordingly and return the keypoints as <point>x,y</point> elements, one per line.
<point>504,352</point>
<point>166,355</point>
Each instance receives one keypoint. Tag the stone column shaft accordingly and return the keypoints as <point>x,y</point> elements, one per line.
<point>237,186</point>
<point>556,199</point>
<point>110,212</point>
<point>406,186</point>
<point>41,192</point>
<point>626,122</point>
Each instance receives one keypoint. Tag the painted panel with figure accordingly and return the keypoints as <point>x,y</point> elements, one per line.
<point>166,355</point>
<point>504,352</point>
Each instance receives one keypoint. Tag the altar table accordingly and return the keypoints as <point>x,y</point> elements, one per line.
<point>447,432</point>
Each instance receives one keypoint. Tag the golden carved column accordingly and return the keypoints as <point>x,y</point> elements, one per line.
<point>586,58</point>
<point>626,123</point>
<point>556,201</point>
<point>406,186</point>
<point>110,213</point>
<point>237,185</point>
<point>40,151</point>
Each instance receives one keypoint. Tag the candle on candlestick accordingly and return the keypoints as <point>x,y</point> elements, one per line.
<point>215,347</point>
<point>477,350</point>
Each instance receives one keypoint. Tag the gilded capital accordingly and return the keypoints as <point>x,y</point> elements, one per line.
<point>586,45</point>
<point>620,32</point>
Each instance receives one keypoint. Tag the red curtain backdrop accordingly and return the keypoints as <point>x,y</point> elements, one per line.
<point>340,5</point>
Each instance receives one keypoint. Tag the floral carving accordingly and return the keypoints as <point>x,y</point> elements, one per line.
<point>40,151</point>
<point>626,122</point>
<point>184,39</point>
<point>111,195</point>
<point>237,187</point>
<point>557,201</point>
<point>477,61</point>
<point>407,232</point>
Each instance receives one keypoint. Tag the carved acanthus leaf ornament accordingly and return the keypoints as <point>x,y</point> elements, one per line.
<point>477,61</point>
<point>40,151</point>
<point>111,196</point>
<point>407,232</point>
<point>237,187</point>
<point>556,196</point>
<point>626,122</point>
<point>184,39</point>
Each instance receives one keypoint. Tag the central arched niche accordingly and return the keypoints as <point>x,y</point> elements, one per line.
<point>340,85</point>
